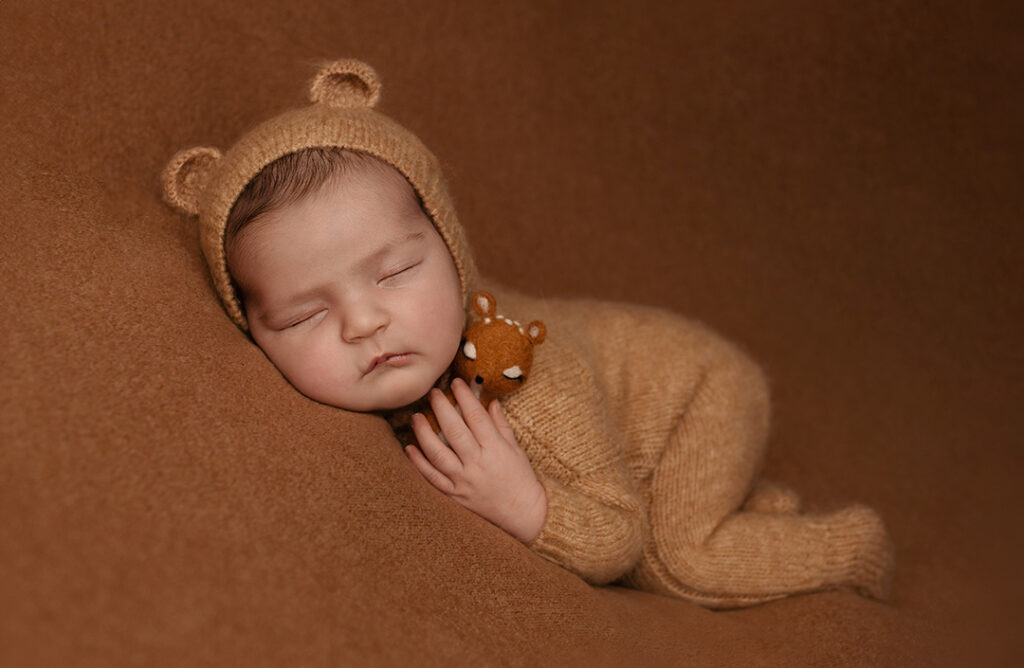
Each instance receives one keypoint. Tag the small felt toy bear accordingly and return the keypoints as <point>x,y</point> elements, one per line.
<point>496,353</point>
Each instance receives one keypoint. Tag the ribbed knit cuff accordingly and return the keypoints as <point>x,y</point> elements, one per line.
<point>555,537</point>
<point>861,548</point>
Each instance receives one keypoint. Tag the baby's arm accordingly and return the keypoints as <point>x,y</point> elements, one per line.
<point>595,524</point>
<point>485,470</point>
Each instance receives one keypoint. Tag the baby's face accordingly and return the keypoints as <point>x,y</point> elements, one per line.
<point>352,293</point>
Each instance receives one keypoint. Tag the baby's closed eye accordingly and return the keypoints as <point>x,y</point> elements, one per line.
<point>394,277</point>
<point>307,319</point>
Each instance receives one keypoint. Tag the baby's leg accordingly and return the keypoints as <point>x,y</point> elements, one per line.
<point>705,549</point>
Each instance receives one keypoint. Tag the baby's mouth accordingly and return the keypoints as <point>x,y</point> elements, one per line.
<point>388,359</point>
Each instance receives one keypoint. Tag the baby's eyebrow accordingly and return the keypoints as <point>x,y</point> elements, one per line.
<point>389,247</point>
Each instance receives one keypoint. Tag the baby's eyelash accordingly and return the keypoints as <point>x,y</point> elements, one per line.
<point>397,272</point>
<point>301,320</point>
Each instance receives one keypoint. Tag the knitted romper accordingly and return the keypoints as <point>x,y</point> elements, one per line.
<point>647,432</point>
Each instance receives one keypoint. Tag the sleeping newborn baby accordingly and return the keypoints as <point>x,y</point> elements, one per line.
<point>630,454</point>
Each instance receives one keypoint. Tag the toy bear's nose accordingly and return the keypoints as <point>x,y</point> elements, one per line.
<point>480,380</point>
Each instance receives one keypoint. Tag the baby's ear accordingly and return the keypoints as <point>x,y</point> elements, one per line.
<point>185,176</point>
<point>484,304</point>
<point>346,83</point>
<point>536,331</point>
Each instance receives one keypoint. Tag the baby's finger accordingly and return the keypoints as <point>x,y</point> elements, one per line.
<point>501,423</point>
<point>431,445</point>
<point>427,470</point>
<point>473,412</point>
<point>454,428</point>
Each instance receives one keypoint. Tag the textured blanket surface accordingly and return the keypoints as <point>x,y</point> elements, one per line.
<point>833,185</point>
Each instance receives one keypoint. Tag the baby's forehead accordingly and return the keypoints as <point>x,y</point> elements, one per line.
<point>370,196</point>
<point>377,175</point>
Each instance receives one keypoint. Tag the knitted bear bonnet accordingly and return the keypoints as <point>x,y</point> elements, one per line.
<point>207,182</point>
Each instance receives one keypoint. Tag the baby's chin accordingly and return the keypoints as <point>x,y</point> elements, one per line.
<point>392,401</point>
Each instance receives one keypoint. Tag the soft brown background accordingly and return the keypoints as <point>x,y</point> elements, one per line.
<point>835,185</point>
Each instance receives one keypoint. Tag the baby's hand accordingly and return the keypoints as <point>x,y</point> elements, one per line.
<point>485,470</point>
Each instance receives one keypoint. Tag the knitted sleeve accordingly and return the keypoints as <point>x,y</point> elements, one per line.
<point>597,538</point>
<point>595,521</point>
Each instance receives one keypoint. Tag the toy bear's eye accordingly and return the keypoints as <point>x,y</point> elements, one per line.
<point>469,350</point>
<point>513,373</point>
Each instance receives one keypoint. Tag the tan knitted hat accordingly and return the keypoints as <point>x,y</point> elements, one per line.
<point>206,182</point>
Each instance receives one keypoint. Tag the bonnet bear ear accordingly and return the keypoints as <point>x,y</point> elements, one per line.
<point>484,304</point>
<point>185,176</point>
<point>346,83</point>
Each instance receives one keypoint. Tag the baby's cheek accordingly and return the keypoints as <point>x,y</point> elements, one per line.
<point>452,326</point>
<point>436,317</point>
<point>309,368</point>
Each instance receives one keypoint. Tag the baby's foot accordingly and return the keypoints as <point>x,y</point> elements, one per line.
<point>859,541</point>
<point>770,497</point>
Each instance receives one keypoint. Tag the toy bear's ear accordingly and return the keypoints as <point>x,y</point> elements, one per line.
<point>484,304</point>
<point>185,176</point>
<point>345,84</point>
<point>536,331</point>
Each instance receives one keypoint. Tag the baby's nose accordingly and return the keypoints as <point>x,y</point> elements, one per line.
<point>360,323</point>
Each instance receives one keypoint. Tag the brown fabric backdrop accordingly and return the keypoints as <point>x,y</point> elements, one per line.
<point>834,185</point>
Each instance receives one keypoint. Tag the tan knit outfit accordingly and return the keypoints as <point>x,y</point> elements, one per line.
<point>646,430</point>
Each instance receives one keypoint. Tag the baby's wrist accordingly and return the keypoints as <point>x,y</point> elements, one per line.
<point>531,518</point>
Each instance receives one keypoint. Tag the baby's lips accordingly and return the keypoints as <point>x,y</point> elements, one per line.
<point>379,359</point>
<point>374,362</point>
